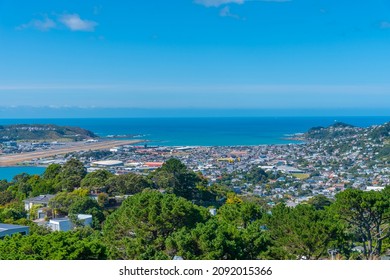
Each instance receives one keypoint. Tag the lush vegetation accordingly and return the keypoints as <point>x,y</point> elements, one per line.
<point>166,214</point>
<point>337,130</point>
<point>43,132</point>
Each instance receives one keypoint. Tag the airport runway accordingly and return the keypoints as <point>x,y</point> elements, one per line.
<point>11,160</point>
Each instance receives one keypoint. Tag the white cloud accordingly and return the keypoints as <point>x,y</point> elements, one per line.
<point>217,3</point>
<point>225,12</point>
<point>43,25</point>
<point>75,23</point>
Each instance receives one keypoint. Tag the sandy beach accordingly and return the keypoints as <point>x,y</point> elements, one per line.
<point>11,160</point>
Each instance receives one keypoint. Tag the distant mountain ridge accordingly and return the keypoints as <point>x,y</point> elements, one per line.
<point>39,132</point>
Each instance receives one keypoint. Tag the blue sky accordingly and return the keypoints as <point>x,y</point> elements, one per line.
<point>263,54</point>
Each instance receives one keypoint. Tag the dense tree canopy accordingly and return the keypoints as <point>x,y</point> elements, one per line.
<point>175,177</point>
<point>138,229</point>
<point>219,240</point>
<point>127,184</point>
<point>368,216</point>
<point>97,180</point>
<point>302,232</point>
<point>240,214</point>
<point>256,175</point>
<point>52,171</point>
<point>70,175</point>
<point>212,240</point>
<point>81,244</point>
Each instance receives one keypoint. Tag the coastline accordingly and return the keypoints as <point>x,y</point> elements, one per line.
<point>213,131</point>
<point>14,159</point>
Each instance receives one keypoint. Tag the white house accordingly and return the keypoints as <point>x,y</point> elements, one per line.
<point>65,224</point>
<point>38,200</point>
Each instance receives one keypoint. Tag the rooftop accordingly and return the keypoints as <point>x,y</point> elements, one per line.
<point>4,227</point>
<point>108,162</point>
<point>41,198</point>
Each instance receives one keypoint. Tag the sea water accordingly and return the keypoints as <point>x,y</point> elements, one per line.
<point>216,131</point>
<point>8,173</point>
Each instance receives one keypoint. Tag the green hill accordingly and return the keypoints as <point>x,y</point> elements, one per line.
<point>337,130</point>
<point>40,132</point>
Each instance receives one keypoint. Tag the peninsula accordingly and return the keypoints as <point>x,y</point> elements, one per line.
<point>26,142</point>
<point>43,132</point>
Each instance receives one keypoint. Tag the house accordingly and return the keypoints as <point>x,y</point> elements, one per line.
<point>213,211</point>
<point>60,224</point>
<point>8,229</point>
<point>374,188</point>
<point>107,163</point>
<point>42,200</point>
<point>65,224</point>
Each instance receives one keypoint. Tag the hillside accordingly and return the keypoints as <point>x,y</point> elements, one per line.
<point>38,132</point>
<point>337,130</point>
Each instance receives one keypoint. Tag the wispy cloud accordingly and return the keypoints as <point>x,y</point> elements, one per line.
<point>217,3</point>
<point>225,12</point>
<point>216,88</point>
<point>276,1</point>
<point>75,23</point>
<point>72,22</point>
<point>385,24</point>
<point>44,24</point>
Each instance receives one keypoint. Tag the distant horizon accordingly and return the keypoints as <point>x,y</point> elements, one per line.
<point>29,112</point>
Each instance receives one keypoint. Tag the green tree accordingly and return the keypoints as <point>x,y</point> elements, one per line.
<point>52,171</point>
<point>40,186</point>
<point>368,216</point>
<point>70,176</point>
<point>240,214</point>
<point>103,199</point>
<point>82,244</point>
<point>63,201</point>
<point>12,212</point>
<point>4,185</point>
<point>6,197</point>
<point>86,205</point>
<point>218,240</point>
<point>319,202</point>
<point>302,232</point>
<point>20,187</point>
<point>175,177</point>
<point>139,228</point>
<point>127,184</point>
<point>97,180</point>
<point>212,240</point>
<point>256,175</point>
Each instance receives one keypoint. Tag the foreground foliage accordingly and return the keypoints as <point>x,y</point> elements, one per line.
<point>166,215</point>
<point>76,245</point>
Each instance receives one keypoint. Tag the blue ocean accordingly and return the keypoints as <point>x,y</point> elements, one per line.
<point>213,131</point>
<point>217,131</point>
<point>8,173</point>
